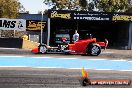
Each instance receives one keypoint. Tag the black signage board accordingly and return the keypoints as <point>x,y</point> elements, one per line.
<point>122,17</point>
<point>91,16</point>
<point>35,25</point>
<point>63,14</point>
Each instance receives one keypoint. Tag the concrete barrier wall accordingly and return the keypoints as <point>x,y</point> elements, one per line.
<point>29,44</point>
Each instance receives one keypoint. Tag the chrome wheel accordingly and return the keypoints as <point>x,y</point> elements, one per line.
<point>42,49</point>
<point>95,50</point>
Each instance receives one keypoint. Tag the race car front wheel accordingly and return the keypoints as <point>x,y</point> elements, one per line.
<point>42,49</point>
<point>94,49</point>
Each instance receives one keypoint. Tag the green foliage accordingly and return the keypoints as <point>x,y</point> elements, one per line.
<point>100,5</point>
<point>113,5</point>
<point>9,8</point>
<point>67,4</point>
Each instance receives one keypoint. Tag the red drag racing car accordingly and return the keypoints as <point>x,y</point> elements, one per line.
<point>87,46</point>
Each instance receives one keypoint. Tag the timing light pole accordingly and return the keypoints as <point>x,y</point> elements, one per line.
<point>42,26</point>
<point>42,29</point>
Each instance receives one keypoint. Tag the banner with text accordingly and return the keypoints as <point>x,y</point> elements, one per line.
<point>36,25</point>
<point>91,16</point>
<point>12,24</point>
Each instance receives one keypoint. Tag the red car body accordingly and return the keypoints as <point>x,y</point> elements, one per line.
<point>81,46</point>
<point>85,46</point>
<point>35,50</point>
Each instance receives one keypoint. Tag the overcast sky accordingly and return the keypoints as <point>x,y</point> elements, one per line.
<point>33,6</point>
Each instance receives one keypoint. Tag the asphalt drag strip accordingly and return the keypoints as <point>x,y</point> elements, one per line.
<point>56,78</point>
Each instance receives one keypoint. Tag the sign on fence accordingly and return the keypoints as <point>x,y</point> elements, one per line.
<point>13,24</point>
<point>35,25</point>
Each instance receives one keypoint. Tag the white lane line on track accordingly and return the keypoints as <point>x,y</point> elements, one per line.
<point>97,59</point>
<point>107,52</point>
<point>110,70</point>
<point>121,60</point>
<point>82,59</point>
<point>110,60</point>
<point>55,58</point>
<point>41,57</point>
<point>68,58</point>
<point>12,56</point>
<point>60,68</point>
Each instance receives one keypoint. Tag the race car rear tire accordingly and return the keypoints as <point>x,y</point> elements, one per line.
<point>42,49</point>
<point>94,49</point>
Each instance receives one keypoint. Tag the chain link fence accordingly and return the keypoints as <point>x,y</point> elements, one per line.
<point>12,34</point>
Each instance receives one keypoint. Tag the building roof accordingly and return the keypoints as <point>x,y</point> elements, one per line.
<point>27,16</point>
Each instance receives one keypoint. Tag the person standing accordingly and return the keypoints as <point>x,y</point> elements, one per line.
<point>75,36</point>
<point>106,44</point>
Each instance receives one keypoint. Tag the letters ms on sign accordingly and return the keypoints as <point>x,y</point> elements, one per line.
<point>7,24</point>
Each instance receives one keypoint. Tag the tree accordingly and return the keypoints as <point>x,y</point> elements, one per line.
<point>9,8</point>
<point>113,5</point>
<point>67,4</point>
<point>90,5</point>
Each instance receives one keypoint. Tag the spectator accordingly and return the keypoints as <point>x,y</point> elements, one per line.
<point>75,36</point>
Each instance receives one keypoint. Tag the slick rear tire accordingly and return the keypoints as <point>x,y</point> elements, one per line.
<point>42,49</point>
<point>94,49</point>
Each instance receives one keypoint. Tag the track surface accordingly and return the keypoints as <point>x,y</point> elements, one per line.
<point>106,54</point>
<point>58,78</point>
<point>55,78</point>
<point>69,63</point>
